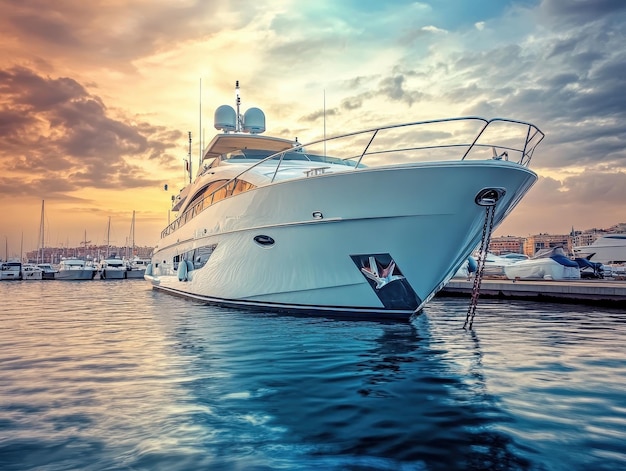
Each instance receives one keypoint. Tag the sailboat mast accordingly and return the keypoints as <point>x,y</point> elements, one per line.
<point>132,236</point>
<point>108,235</point>
<point>189,157</point>
<point>41,241</point>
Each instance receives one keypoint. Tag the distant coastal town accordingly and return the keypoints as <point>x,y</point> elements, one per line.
<point>532,244</point>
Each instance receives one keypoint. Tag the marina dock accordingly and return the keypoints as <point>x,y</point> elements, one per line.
<point>608,293</point>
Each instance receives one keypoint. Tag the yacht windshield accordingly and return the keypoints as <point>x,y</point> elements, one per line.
<point>256,154</point>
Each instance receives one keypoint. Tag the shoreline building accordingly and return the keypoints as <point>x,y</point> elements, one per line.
<point>535,243</point>
<point>91,252</point>
<point>506,244</point>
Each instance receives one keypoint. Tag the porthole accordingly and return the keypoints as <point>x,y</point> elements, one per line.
<point>264,240</point>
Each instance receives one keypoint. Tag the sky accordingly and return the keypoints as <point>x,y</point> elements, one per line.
<point>97,98</point>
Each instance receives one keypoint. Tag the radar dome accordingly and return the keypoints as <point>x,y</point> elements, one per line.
<point>225,118</point>
<point>254,121</point>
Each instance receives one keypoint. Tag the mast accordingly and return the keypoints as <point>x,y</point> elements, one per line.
<point>41,240</point>
<point>132,236</point>
<point>324,122</point>
<point>199,135</point>
<point>189,158</point>
<point>84,244</point>
<point>238,101</point>
<point>108,235</point>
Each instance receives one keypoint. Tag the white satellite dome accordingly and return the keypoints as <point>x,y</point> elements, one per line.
<point>225,118</point>
<point>254,121</point>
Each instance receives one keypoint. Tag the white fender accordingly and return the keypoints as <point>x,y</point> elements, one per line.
<point>182,271</point>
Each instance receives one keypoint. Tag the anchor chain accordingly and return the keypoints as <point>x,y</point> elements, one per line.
<point>490,211</point>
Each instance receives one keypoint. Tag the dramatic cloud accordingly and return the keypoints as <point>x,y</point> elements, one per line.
<point>113,32</point>
<point>56,137</point>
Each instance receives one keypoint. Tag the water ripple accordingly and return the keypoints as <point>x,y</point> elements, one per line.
<point>113,376</point>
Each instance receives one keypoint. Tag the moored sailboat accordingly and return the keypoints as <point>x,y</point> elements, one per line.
<point>136,266</point>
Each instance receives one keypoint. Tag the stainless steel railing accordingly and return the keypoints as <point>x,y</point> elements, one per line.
<point>400,144</point>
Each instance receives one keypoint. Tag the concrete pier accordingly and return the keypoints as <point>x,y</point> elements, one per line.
<point>608,293</point>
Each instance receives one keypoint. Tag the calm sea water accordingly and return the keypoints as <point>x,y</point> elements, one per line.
<point>110,375</point>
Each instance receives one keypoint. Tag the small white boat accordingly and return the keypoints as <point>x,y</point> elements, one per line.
<point>136,268</point>
<point>10,270</point>
<point>495,264</point>
<point>31,272</point>
<point>76,269</point>
<point>548,264</point>
<point>113,269</point>
<point>49,272</point>
<point>615,271</point>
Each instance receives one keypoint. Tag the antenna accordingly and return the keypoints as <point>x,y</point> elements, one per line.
<point>324,122</point>
<point>199,134</point>
<point>41,233</point>
<point>238,102</point>
<point>189,165</point>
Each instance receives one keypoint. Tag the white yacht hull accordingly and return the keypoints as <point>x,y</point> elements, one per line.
<point>32,275</point>
<point>113,273</point>
<point>10,275</point>
<point>48,272</point>
<point>608,249</point>
<point>75,274</point>
<point>327,230</point>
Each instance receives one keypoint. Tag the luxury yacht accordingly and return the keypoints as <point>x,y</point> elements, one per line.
<point>608,249</point>
<point>371,223</point>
